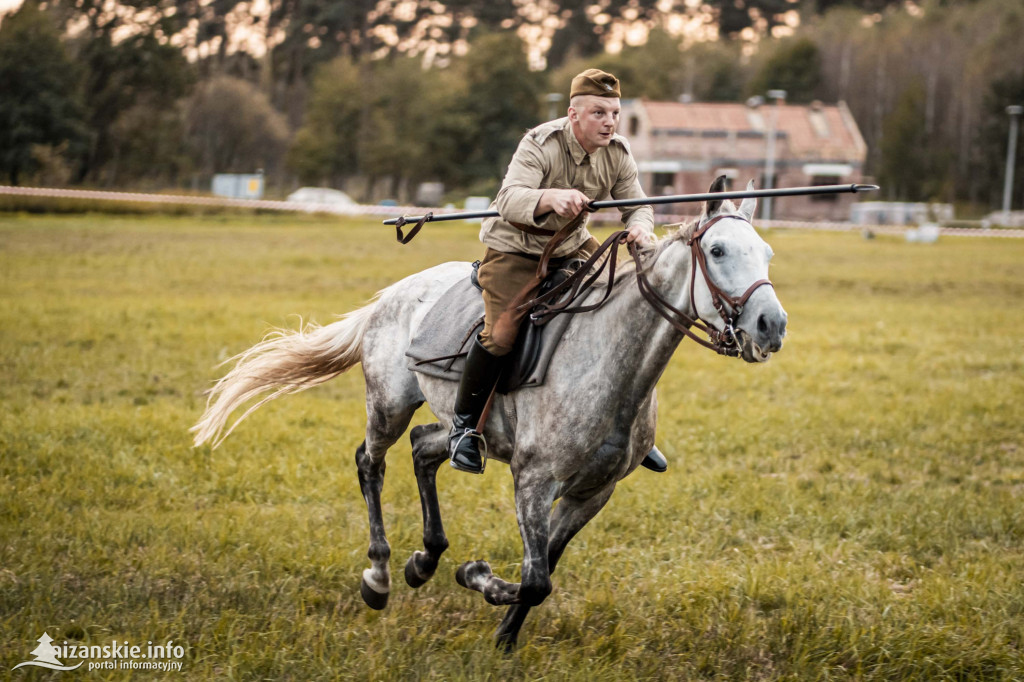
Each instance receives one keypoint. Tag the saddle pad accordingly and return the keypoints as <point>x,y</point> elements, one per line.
<point>450,326</point>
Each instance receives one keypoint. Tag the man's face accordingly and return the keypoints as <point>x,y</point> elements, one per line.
<point>594,120</point>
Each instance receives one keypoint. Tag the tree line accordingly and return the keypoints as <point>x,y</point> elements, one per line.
<point>377,97</point>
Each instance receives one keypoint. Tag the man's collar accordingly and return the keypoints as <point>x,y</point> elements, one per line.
<point>576,150</point>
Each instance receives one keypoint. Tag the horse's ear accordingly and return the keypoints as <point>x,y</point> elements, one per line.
<point>713,205</point>
<point>749,204</point>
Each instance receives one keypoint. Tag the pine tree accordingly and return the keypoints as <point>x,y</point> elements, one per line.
<point>46,652</point>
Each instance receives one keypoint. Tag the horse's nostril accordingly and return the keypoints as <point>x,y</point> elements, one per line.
<point>762,325</point>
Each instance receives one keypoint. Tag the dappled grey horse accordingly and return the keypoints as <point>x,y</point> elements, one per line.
<point>570,440</point>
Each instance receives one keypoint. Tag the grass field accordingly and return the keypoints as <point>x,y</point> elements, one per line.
<point>851,510</point>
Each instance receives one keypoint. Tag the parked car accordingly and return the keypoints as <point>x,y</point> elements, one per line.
<point>322,199</point>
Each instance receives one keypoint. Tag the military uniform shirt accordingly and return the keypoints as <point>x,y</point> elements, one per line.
<point>550,156</point>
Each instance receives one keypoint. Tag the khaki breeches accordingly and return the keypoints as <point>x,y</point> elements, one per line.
<point>509,279</point>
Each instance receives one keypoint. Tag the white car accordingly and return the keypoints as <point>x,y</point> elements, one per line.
<point>323,199</point>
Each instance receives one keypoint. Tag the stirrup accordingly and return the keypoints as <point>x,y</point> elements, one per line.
<point>481,448</point>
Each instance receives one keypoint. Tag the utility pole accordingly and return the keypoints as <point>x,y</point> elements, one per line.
<point>769,163</point>
<point>1014,111</point>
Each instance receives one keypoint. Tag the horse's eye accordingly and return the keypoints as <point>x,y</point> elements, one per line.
<point>717,251</point>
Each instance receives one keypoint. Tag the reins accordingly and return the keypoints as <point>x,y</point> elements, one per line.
<point>580,282</point>
<point>722,343</point>
<point>558,299</point>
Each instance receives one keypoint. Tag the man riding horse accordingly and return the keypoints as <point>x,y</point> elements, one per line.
<point>558,168</point>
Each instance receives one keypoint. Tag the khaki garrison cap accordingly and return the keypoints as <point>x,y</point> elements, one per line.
<point>595,82</point>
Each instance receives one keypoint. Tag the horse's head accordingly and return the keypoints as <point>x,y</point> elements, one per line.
<point>734,288</point>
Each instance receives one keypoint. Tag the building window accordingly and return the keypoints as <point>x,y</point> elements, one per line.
<point>634,126</point>
<point>819,180</point>
<point>663,181</point>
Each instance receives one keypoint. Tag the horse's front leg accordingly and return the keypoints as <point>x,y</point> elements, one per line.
<point>567,519</point>
<point>535,493</point>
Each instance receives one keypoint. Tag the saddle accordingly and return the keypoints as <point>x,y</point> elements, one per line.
<point>449,327</point>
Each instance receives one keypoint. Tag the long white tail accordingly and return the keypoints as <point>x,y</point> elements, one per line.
<point>284,362</point>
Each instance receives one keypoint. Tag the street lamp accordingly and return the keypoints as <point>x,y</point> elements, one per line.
<point>1014,110</point>
<point>769,162</point>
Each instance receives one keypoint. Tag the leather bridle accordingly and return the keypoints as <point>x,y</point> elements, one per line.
<point>729,307</point>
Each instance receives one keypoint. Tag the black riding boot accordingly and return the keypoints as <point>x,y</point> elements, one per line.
<point>479,377</point>
<point>655,461</point>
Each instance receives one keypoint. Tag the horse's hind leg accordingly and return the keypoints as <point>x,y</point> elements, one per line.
<point>429,450</point>
<point>382,430</point>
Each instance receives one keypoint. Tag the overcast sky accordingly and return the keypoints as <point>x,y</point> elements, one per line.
<point>6,5</point>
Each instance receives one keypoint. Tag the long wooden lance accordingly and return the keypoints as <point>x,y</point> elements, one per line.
<point>653,201</point>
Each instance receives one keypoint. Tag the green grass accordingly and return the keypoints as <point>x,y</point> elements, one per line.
<point>851,510</point>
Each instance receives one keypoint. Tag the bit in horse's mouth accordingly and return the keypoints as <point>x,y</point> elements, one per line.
<point>749,350</point>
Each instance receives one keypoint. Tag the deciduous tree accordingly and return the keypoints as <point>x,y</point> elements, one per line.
<point>39,106</point>
<point>324,150</point>
<point>794,66</point>
<point>124,84</point>
<point>232,128</point>
<point>502,99</point>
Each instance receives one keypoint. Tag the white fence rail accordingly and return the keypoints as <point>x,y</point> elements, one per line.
<point>392,211</point>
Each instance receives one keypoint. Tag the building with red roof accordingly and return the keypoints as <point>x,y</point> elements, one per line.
<point>681,147</point>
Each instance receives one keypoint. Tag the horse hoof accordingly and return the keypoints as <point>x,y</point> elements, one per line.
<point>374,599</point>
<point>413,577</point>
<point>460,575</point>
<point>479,565</point>
<point>505,644</point>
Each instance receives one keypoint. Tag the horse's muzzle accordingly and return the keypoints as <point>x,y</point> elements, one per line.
<point>771,329</point>
<point>766,338</point>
